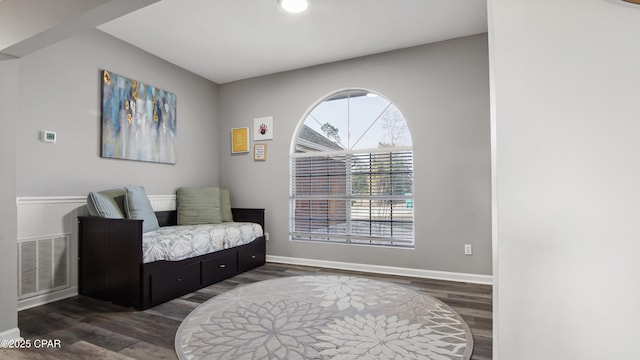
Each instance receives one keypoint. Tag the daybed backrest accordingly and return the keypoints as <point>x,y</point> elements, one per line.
<point>170,217</point>
<point>167,217</point>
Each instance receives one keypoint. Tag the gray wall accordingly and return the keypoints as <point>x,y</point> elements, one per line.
<point>442,90</point>
<point>567,121</point>
<point>8,255</point>
<point>59,90</point>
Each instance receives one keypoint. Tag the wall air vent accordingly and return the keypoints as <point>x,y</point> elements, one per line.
<point>43,265</point>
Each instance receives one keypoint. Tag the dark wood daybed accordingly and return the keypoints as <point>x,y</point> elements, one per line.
<point>110,262</point>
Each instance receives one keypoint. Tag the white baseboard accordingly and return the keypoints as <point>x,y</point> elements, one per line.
<point>46,298</point>
<point>11,334</point>
<point>389,270</point>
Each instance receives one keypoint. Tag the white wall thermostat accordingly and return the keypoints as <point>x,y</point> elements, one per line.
<point>48,136</point>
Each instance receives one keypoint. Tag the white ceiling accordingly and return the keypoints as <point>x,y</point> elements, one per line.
<point>228,40</point>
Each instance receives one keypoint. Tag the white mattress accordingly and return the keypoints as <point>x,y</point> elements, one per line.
<point>173,243</point>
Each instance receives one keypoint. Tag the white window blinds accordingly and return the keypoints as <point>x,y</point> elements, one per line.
<point>353,197</point>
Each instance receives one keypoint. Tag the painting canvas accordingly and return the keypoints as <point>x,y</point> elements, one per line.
<point>138,120</point>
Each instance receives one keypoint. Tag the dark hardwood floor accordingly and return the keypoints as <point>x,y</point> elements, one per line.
<point>93,329</point>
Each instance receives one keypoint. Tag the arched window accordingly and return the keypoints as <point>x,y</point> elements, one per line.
<point>351,175</point>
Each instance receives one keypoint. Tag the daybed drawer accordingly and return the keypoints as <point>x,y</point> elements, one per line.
<point>251,255</point>
<point>219,268</point>
<point>171,283</point>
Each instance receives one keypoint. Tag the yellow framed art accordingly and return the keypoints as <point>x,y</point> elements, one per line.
<point>240,140</point>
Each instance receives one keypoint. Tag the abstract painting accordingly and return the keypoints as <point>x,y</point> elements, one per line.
<point>138,120</point>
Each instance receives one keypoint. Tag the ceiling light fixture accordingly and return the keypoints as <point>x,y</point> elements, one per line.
<point>293,6</point>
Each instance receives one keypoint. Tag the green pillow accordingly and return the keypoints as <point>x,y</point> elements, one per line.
<point>225,205</point>
<point>106,204</point>
<point>138,206</point>
<point>198,205</point>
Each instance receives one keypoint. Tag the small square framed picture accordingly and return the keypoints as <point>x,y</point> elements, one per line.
<point>263,128</point>
<point>260,152</point>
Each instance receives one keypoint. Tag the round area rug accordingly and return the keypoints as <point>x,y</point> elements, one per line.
<point>323,317</point>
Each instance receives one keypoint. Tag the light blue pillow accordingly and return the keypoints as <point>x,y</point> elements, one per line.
<point>106,204</point>
<point>138,206</point>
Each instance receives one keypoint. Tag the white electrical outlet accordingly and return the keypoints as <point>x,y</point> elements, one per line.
<point>467,249</point>
<point>266,236</point>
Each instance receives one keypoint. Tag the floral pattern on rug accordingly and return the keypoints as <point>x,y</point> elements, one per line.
<point>351,292</point>
<point>381,337</point>
<point>287,329</point>
<point>323,317</point>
